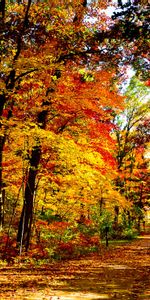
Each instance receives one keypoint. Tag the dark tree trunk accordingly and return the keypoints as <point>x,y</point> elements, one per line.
<point>2,143</point>
<point>1,184</point>
<point>2,8</point>
<point>24,229</point>
<point>101,202</point>
<point>2,200</point>
<point>116,216</point>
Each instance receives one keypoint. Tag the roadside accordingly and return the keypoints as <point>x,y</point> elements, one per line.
<point>120,272</point>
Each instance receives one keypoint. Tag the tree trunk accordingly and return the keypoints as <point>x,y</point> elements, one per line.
<point>2,8</point>
<point>2,199</point>
<point>25,223</point>
<point>2,143</point>
<point>116,216</point>
<point>24,229</point>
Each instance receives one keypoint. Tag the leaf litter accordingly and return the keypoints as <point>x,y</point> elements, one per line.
<point>118,273</point>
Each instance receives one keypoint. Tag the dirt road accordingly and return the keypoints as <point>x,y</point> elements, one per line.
<point>121,273</point>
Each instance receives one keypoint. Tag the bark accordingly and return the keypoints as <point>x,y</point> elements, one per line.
<point>2,199</point>
<point>101,203</point>
<point>24,229</point>
<point>2,8</point>
<point>25,223</point>
<point>116,216</point>
<point>2,142</point>
<point>2,194</point>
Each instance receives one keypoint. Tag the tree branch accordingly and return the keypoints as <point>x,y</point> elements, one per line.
<point>25,23</point>
<point>25,73</point>
<point>85,53</point>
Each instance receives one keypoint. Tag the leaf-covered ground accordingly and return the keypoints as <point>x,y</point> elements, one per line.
<point>121,272</point>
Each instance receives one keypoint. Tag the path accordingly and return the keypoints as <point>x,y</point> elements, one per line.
<point>122,273</point>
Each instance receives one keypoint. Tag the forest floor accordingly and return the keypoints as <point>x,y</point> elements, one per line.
<point>118,272</point>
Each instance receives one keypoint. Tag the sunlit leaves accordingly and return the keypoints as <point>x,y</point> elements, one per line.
<point>132,143</point>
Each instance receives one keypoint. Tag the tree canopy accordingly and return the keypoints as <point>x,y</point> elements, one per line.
<point>72,147</point>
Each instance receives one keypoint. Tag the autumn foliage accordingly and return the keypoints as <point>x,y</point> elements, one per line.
<point>69,172</point>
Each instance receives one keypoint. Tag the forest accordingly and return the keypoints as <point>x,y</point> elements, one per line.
<point>74,127</point>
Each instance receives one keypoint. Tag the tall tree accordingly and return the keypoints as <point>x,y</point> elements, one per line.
<point>40,40</point>
<point>132,139</point>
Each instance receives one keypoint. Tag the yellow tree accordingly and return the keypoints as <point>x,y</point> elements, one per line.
<point>43,46</point>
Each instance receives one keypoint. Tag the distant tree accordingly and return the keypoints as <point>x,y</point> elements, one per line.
<point>132,136</point>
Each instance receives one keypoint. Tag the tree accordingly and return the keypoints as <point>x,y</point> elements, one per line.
<point>132,139</point>
<point>39,42</point>
<point>71,115</point>
<point>132,29</point>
